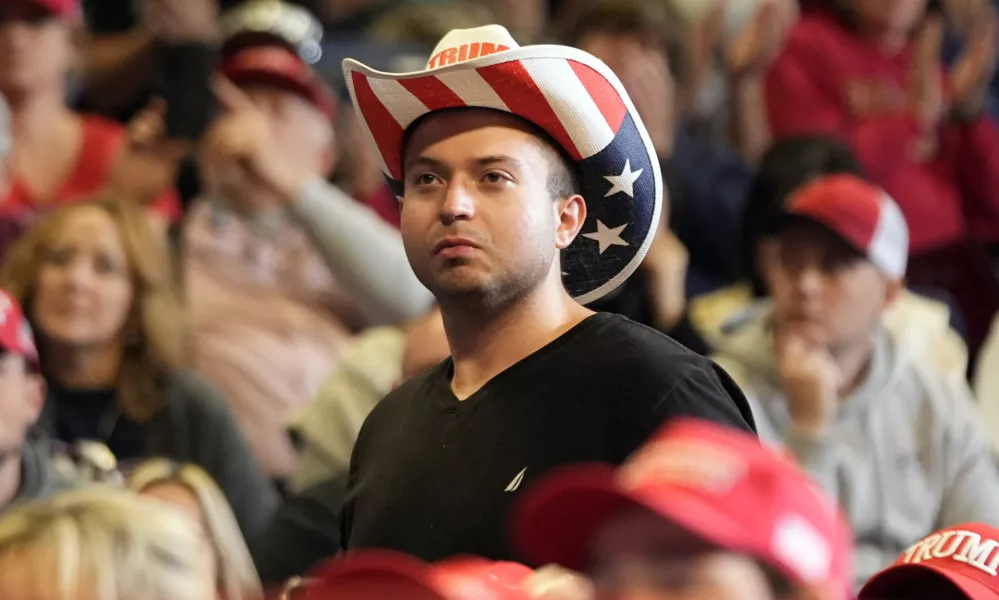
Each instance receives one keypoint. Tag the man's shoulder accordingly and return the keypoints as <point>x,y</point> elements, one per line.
<point>630,347</point>
<point>646,363</point>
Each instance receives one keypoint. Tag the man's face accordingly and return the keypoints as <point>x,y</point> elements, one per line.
<point>36,49</point>
<point>21,396</point>
<point>477,216</point>
<point>639,556</point>
<point>822,288</point>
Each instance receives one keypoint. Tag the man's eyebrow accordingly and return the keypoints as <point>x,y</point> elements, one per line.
<point>482,161</point>
<point>424,161</point>
<point>485,161</point>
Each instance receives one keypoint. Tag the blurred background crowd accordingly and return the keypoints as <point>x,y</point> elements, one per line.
<point>215,334</point>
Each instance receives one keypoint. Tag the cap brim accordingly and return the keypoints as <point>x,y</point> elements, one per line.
<point>276,79</point>
<point>791,219</point>
<point>885,585</point>
<point>373,575</point>
<point>559,520</point>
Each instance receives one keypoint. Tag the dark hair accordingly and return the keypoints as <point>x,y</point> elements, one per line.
<point>788,165</point>
<point>562,179</point>
<point>654,24</point>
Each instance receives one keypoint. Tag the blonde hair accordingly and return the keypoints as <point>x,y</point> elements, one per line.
<point>238,579</point>
<point>158,344</point>
<point>101,544</point>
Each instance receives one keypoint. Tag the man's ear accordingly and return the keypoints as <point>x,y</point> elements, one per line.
<point>35,395</point>
<point>571,214</point>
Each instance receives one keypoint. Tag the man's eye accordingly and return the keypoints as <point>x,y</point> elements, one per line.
<point>495,177</point>
<point>426,179</point>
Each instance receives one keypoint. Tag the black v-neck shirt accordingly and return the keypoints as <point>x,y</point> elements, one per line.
<point>435,476</point>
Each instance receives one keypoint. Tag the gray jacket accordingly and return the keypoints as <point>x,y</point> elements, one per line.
<point>907,455</point>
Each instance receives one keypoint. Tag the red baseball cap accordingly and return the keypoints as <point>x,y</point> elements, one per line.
<point>387,575</point>
<point>715,485</point>
<point>15,333</point>
<point>864,215</point>
<point>279,66</point>
<point>966,555</point>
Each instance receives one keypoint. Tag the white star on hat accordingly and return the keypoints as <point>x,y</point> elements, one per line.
<point>625,182</point>
<point>607,236</point>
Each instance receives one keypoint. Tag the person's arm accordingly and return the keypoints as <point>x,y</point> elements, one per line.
<point>305,530</point>
<point>747,112</point>
<point>971,476</point>
<point>216,443</point>
<point>814,450</point>
<point>364,253</point>
<point>328,425</point>
<point>117,68</point>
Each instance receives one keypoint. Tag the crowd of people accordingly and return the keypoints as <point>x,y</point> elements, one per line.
<point>499,299</point>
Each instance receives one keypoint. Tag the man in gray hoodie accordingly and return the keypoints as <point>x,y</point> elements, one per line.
<point>873,421</point>
<point>26,471</point>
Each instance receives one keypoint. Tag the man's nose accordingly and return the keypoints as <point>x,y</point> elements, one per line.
<point>458,203</point>
<point>809,279</point>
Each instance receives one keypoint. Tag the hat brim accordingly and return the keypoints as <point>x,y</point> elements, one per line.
<point>579,103</point>
<point>322,102</point>
<point>791,219</point>
<point>883,586</point>
<point>373,574</point>
<point>560,519</point>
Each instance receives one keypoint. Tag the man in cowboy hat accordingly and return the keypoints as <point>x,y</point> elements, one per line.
<point>529,187</point>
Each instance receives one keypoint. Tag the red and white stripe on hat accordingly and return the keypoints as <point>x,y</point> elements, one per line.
<point>571,101</point>
<point>862,214</point>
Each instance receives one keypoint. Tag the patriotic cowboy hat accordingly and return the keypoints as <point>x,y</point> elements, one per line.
<point>572,96</point>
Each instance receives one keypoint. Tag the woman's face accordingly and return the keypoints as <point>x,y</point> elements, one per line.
<point>85,292</point>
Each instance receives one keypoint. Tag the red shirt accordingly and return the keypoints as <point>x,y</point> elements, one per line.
<point>828,80</point>
<point>103,140</point>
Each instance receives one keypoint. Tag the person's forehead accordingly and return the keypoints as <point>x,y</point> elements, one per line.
<point>492,132</point>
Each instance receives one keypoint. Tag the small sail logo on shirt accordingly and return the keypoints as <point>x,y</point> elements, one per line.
<point>515,483</point>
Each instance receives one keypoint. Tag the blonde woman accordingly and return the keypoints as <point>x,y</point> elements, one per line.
<point>97,287</point>
<point>102,544</point>
<point>190,489</point>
